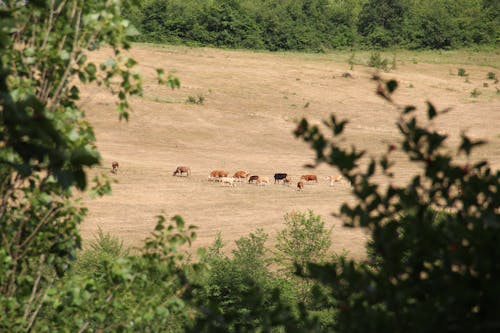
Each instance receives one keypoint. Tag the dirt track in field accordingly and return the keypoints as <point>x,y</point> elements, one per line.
<point>246,122</point>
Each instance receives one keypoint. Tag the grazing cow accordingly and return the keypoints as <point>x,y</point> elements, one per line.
<point>252,179</point>
<point>217,175</point>
<point>263,181</point>
<point>308,178</point>
<point>240,175</point>
<point>182,169</point>
<point>288,180</point>
<point>227,181</point>
<point>300,186</point>
<point>279,176</point>
<point>335,179</point>
<point>114,167</point>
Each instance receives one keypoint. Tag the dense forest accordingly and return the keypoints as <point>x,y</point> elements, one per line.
<point>316,25</point>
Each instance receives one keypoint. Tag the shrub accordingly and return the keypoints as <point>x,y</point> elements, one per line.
<point>104,249</point>
<point>193,100</point>
<point>491,76</point>
<point>475,93</point>
<point>462,72</point>
<point>377,61</point>
<point>304,239</point>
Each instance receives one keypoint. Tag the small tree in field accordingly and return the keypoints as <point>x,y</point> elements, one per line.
<point>303,240</point>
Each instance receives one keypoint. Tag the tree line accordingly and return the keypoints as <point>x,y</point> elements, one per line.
<point>316,25</point>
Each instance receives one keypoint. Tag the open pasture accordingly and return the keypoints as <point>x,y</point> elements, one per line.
<point>248,102</point>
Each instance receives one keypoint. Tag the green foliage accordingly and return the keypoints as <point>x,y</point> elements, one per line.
<point>240,294</point>
<point>475,93</point>
<point>104,249</point>
<point>303,240</point>
<point>46,144</point>
<point>380,22</point>
<point>146,292</point>
<point>376,60</point>
<point>193,100</point>
<point>351,61</point>
<point>434,241</point>
<point>491,76</point>
<point>316,25</point>
<point>462,72</point>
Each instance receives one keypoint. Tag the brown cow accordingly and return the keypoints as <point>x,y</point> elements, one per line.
<point>114,167</point>
<point>217,175</point>
<point>240,175</point>
<point>300,186</point>
<point>182,169</point>
<point>253,178</point>
<point>288,180</point>
<point>309,178</point>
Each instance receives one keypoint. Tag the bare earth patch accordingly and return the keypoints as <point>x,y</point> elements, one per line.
<point>251,100</point>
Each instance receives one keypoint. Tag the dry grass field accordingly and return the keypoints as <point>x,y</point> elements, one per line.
<point>251,100</point>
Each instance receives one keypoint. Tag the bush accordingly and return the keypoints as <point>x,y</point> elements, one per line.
<point>377,61</point>
<point>240,294</point>
<point>104,249</point>
<point>462,72</point>
<point>491,76</point>
<point>303,240</point>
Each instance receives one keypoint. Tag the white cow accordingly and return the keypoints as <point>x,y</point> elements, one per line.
<point>227,181</point>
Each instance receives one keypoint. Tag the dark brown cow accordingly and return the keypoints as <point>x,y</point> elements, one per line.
<point>182,169</point>
<point>309,178</point>
<point>252,179</point>
<point>279,176</point>
<point>300,186</point>
<point>114,167</point>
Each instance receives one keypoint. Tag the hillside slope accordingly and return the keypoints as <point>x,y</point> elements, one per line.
<point>246,122</point>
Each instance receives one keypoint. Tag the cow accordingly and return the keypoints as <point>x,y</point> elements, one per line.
<point>288,180</point>
<point>308,178</point>
<point>182,169</point>
<point>227,181</point>
<point>217,174</point>
<point>253,178</point>
<point>279,176</point>
<point>240,175</point>
<point>114,167</point>
<point>263,181</point>
<point>300,186</point>
<point>335,179</point>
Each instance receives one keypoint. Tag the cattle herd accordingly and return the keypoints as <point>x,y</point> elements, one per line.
<point>241,176</point>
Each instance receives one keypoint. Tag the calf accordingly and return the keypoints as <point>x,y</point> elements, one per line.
<point>252,179</point>
<point>227,181</point>
<point>279,176</point>
<point>263,181</point>
<point>300,186</point>
<point>309,178</point>
<point>288,180</point>
<point>114,167</point>
<point>182,169</point>
<point>334,179</point>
